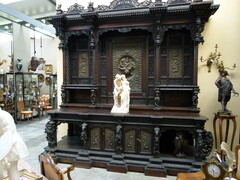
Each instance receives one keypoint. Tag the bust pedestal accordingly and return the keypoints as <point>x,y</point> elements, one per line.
<point>228,118</point>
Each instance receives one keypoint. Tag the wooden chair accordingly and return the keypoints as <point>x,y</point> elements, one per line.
<point>237,151</point>
<point>44,102</point>
<point>50,170</point>
<point>22,111</point>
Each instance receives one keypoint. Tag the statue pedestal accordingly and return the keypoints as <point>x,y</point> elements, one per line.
<point>228,118</point>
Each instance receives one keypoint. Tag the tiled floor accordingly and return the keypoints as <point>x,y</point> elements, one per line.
<point>34,136</point>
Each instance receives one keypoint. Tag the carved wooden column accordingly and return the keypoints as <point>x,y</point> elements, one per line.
<point>158,51</point>
<point>93,48</point>
<point>199,27</point>
<point>51,131</point>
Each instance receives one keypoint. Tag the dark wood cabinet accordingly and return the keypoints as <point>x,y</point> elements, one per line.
<point>155,45</point>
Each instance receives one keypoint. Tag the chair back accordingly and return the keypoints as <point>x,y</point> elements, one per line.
<point>237,151</point>
<point>49,168</point>
<point>20,106</point>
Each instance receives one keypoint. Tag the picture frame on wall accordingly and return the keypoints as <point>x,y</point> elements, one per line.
<point>48,69</point>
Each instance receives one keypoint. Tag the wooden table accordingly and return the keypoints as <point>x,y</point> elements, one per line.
<point>191,176</point>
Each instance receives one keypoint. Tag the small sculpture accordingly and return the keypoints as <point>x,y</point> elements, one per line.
<point>12,146</point>
<point>225,88</point>
<point>178,145</point>
<point>121,94</point>
<point>34,63</point>
<point>19,65</point>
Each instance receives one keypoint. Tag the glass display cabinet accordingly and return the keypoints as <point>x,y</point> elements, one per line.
<point>2,90</point>
<point>24,86</point>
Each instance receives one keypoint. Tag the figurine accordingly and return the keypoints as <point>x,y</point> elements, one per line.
<point>225,88</point>
<point>12,146</point>
<point>178,145</point>
<point>121,94</point>
<point>34,63</point>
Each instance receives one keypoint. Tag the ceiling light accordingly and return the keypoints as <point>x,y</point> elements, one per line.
<point>9,1</point>
<point>43,21</point>
<point>6,27</point>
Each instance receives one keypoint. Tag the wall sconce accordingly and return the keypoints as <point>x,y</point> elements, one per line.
<point>214,57</point>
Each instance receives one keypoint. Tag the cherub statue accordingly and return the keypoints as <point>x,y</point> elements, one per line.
<point>12,146</point>
<point>225,88</point>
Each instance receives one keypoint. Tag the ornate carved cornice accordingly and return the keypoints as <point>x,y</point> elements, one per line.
<point>125,29</point>
<point>125,4</point>
<point>117,6</point>
<point>177,1</point>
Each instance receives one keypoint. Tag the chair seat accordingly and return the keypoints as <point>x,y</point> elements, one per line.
<point>27,112</point>
<point>22,111</point>
<point>48,108</point>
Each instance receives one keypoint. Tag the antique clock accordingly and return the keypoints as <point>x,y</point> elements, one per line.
<point>213,170</point>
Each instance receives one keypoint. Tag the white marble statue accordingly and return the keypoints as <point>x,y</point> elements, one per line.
<point>12,147</point>
<point>230,155</point>
<point>121,94</point>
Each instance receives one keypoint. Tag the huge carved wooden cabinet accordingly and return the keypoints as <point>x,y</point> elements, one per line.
<point>155,45</point>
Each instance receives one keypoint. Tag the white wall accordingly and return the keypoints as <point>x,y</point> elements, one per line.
<point>48,52</point>
<point>21,45</point>
<point>5,51</point>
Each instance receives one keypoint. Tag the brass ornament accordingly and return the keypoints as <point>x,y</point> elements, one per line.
<point>48,81</point>
<point>214,58</point>
<point>41,78</point>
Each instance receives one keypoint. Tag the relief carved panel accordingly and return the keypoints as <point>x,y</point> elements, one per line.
<point>83,65</point>
<point>175,63</point>
<point>109,139</point>
<point>129,140</point>
<point>95,138</point>
<point>146,141</point>
<point>127,59</point>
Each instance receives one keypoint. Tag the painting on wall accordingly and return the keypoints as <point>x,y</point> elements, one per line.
<point>48,68</point>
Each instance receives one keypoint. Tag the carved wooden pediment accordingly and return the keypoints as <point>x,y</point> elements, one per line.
<point>76,8</point>
<point>125,4</point>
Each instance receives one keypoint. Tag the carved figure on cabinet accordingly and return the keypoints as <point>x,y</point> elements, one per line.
<point>118,139</point>
<point>178,145</point>
<point>156,141</point>
<point>121,94</point>
<point>12,146</point>
<point>225,88</point>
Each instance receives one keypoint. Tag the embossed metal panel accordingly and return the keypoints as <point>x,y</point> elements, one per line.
<point>127,59</point>
<point>146,141</point>
<point>175,62</point>
<point>109,139</point>
<point>95,138</point>
<point>130,137</point>
<point>83,65</point>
